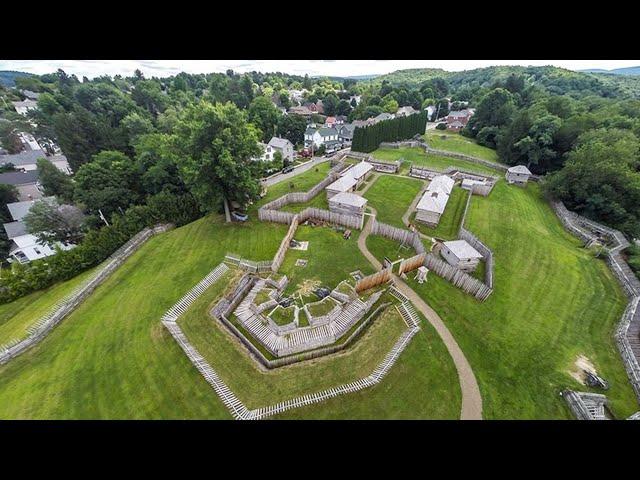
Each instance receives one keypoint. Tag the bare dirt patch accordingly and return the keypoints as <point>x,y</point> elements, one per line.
<point>581,365</point>
<point>308,287</point>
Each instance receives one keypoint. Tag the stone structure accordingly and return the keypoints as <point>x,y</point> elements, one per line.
<point>518,175</point>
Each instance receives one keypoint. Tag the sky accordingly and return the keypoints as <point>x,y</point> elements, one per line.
<point>164,68</point>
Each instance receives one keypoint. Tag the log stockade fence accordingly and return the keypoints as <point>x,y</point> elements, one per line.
<point>373,280</point>
<point>475,242</point>
<point>411,263</point>
<point>68,304</point>
<point>236,407</point>
<point>627,335</point>
<point>457,277</point>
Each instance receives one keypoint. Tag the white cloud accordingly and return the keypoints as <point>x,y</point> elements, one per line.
<point>94,68</point>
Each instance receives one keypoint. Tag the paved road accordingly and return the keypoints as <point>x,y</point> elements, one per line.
<point>471,397</point>
<point>298,170</point>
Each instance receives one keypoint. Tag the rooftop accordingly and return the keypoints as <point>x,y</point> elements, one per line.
<point>519,169</point>
<point>19,209</point>
<point>359,169</point>
<point>461,249</point>
<point>15,229</point>
<point>343,184</point>
<point>19,178</point>
<point>347,198</point>
<point>441,183</point>
<point>28,157</point>
<point>433,201</point>
<point>278,142</point>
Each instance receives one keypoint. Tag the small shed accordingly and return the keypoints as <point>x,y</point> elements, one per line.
<point>518,175</point>
<point>344,184</point>
<point>347,204</point>
<point>461,255</point>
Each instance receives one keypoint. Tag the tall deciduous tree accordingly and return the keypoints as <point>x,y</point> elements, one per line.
<point>216,144</point>
<point>50,222</point>
<point>53,181</point>
<point>264,115</point>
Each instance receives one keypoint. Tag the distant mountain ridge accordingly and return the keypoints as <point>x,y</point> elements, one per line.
<point>615,71</point>
<point>7,77</point>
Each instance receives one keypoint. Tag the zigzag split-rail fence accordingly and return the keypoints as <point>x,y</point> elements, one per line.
<point>69,303</point>
<point>627,334</point>
<point>235,406</point>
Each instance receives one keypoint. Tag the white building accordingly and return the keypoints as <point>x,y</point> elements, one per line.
<point>23,107</point>
<point>461,255</point>
<point>360,171</point>
<point>321,136</point>
<point>347,203</point>
<point>25,246</point>
<point>434,201</point>
<point>344,184</point>
<point>284,146</point>
<point>267,153</point>
<point>518,175</point>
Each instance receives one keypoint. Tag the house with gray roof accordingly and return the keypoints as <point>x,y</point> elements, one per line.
<point>30,95</point>
<point>26,160</point>
<point>345,133</point>
<point>320,136</point>
<point>25,182</point>
<point>461,255</point>
<point>382,117</point>
<point>434,200</point>
<point>348,203</point>
<point>18,210</point>
<point>23,107</point>
<point>406,111</point>
<point>284,146</point>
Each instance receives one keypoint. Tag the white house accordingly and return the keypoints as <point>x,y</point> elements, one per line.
<point>431,110</point>
<point>434,201</point>
<point>406,111</point>
<point>321,136</point>
<point>518,175</point>
<point>25,246</point>
<point>267,153</point>
<point>461,255</point>
<point>284,146</point>
<point>23,107</point>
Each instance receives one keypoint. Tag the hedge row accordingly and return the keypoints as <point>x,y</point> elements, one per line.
<point>367,139</point>
<point>97,245</point>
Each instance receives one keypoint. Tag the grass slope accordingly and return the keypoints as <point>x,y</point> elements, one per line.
<point>454,142</point>
<point>391,197</point>
<point>16,317</point>
<point>552,302</point>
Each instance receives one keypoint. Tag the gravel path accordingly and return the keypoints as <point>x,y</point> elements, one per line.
<point>471,398</point>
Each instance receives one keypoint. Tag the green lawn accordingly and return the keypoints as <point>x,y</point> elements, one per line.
<point>16,317</point>
<point>454,142</point>
<point>552,302</point>
<point>300,183</point>
<point>426,367</point>
<point>418,157</point>
<point>450,219</point>
<point>381,247</point>
<point>330,258</point>
<point>318,309</point>
<point>319,201</point>
<point>391,196</point>
<point>282,316</point>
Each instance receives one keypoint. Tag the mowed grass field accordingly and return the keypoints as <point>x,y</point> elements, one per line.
<point>454,142</point>
<point>552,302</point>
<point>112,359</point>
<point>16,317</point>
<point>427,367</point>
<point>391,196</point>
<point>418,157</point>
<point>329,257</point>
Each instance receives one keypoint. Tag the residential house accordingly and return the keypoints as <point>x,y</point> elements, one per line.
<point>345,134</point>
<point>518,175</point>
<point>357,98</point>
<point>29,142</point>
<point>267,153</point>
<point>382,117</point>
<point>297,95</point>
<point>30,95</point>
<point>363,123</point>
<point>431,111</point>
<point>434,200</point>
<point>304,111</point>
<point>321,136</point>
<point>406,111</point>
<point>28,160</point>
<point>25,247</point>
<point>23,107</point>
<point>284,146</point>
<point>458,119</point>
<point>25,182</point>
<point>330,122</point>
<point>341,119</point>
<point>461,255</point>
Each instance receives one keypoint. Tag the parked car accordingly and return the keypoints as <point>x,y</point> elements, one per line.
<point>287,169</point>
<point>239,216</point>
